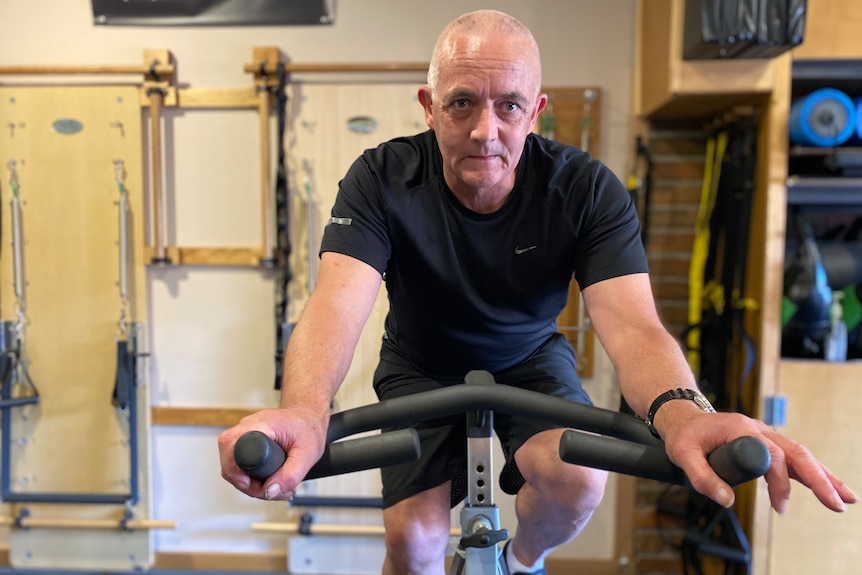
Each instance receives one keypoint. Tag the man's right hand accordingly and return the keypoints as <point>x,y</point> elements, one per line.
<point>302,435</point>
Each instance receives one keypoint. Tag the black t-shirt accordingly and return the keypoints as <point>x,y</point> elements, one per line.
<point>481,291</point>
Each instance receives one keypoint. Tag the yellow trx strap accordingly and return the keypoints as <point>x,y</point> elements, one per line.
<point>715,149</point>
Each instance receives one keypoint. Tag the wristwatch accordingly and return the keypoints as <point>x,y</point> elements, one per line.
<point>678,393</point>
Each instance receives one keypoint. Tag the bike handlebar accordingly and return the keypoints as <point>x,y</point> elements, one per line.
<point>624,444</point>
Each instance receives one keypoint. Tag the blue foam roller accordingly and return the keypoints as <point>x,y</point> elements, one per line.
<point>856,137</point>
<point>824,118</point>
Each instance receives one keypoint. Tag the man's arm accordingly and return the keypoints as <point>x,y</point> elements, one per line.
<point>646,357</point>
<point>649,362</point>
<point>318,356</point>
<point>322,344</point>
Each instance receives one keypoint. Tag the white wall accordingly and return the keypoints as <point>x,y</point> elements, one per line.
<point>211,334</point>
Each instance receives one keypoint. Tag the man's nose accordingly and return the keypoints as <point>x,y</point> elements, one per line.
<point>486,124</point>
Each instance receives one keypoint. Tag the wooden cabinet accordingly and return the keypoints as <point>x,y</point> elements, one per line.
<point>666,86</point>
<point>823,398</point>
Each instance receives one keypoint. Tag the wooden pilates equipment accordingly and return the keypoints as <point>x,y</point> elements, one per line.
<point>29,522</point>
<point>70,490</point>
<point>320,529</point>
<point>348,68</point>
<point>155,90</point>
<point>158,93</point>
<point>158,72</point>
<point>264,99</point>
<point>154,68</point>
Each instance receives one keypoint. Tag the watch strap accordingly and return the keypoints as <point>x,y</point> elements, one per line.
<point>678,393</point>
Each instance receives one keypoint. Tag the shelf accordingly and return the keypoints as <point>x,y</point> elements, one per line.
<point>809,75</point>
<point>800,151</point>
<point>826,177</point>
<point>825,70</point>
<point>824,192</point>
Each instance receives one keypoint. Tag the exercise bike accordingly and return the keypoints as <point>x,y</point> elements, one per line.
<point>621,444</point>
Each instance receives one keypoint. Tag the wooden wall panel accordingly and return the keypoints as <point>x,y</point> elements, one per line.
<point>74,440</point>
<point>576,114</point>
<point>823,414</point>
<point>831,30</point>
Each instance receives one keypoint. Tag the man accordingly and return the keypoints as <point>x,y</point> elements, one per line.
<point>478,226</point>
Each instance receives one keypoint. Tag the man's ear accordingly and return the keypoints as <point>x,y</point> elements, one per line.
<point>541,102</point>
<point>424,96</point>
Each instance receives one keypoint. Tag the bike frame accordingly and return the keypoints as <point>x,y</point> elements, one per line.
<point>478,551</point>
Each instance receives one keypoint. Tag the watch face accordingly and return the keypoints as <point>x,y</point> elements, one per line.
<point>702,402</point>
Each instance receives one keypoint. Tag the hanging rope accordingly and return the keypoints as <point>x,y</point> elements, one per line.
<point>282,228</point>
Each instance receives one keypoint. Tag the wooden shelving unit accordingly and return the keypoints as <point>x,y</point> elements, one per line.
<point>667,87</point>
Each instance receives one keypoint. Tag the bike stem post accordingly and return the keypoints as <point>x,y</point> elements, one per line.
<point>478,551</point>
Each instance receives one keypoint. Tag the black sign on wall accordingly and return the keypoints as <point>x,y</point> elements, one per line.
<point>213,12</point>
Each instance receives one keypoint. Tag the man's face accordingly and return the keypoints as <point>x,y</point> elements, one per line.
<point>484,106</point>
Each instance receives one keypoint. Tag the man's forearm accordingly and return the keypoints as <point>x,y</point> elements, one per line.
<point>654,364</point>
<point>318,356</point>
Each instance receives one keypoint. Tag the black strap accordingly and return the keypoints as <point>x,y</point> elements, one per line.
<point>722,327</point>
<point>8,365</point>
<point>645,153</point>
<point>644,189</point>
<point>282,220</point>
<point>124,383</point>
<point>12,371</point>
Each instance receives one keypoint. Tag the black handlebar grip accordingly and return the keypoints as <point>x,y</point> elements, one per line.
<point>258,455</point>
<point>619,456</point>
<point>381,450</point>
<point>741,460</point>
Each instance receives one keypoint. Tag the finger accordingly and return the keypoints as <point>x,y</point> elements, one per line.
<point>846,494</point>
<point>778,480</point>
<point>705,481</point>
<point>239,480</point>
<point>844,491</point>
<point>230,472</point>
<point>273,492</point>
<point>834,498</point>
<point>806,469</point>
<point>281,486</point>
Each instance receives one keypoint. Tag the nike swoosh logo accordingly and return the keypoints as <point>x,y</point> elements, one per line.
<point>519,251</point>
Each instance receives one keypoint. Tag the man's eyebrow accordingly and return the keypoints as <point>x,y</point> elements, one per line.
<point>459,93</point>
<point>514,97</point>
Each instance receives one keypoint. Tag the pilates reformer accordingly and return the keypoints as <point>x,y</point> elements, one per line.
<point>615,442</point>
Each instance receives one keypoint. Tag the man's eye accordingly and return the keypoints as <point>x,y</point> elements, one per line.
<point>461,103</point>
<point>511,107</point>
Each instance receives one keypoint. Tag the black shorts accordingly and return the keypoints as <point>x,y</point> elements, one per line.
<point>551,370</point>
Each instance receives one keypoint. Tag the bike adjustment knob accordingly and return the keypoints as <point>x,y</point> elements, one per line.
<point>484,538</point>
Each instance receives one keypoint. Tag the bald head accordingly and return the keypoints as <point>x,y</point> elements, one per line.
<point>475,29</point>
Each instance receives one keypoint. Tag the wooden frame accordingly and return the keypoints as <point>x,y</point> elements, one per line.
<point>158,93</point>
<point>666,86</point>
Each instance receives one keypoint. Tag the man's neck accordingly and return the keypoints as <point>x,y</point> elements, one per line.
<point>483,201</point>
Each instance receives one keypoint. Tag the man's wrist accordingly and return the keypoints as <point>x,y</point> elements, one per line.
<point>692,395</point>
